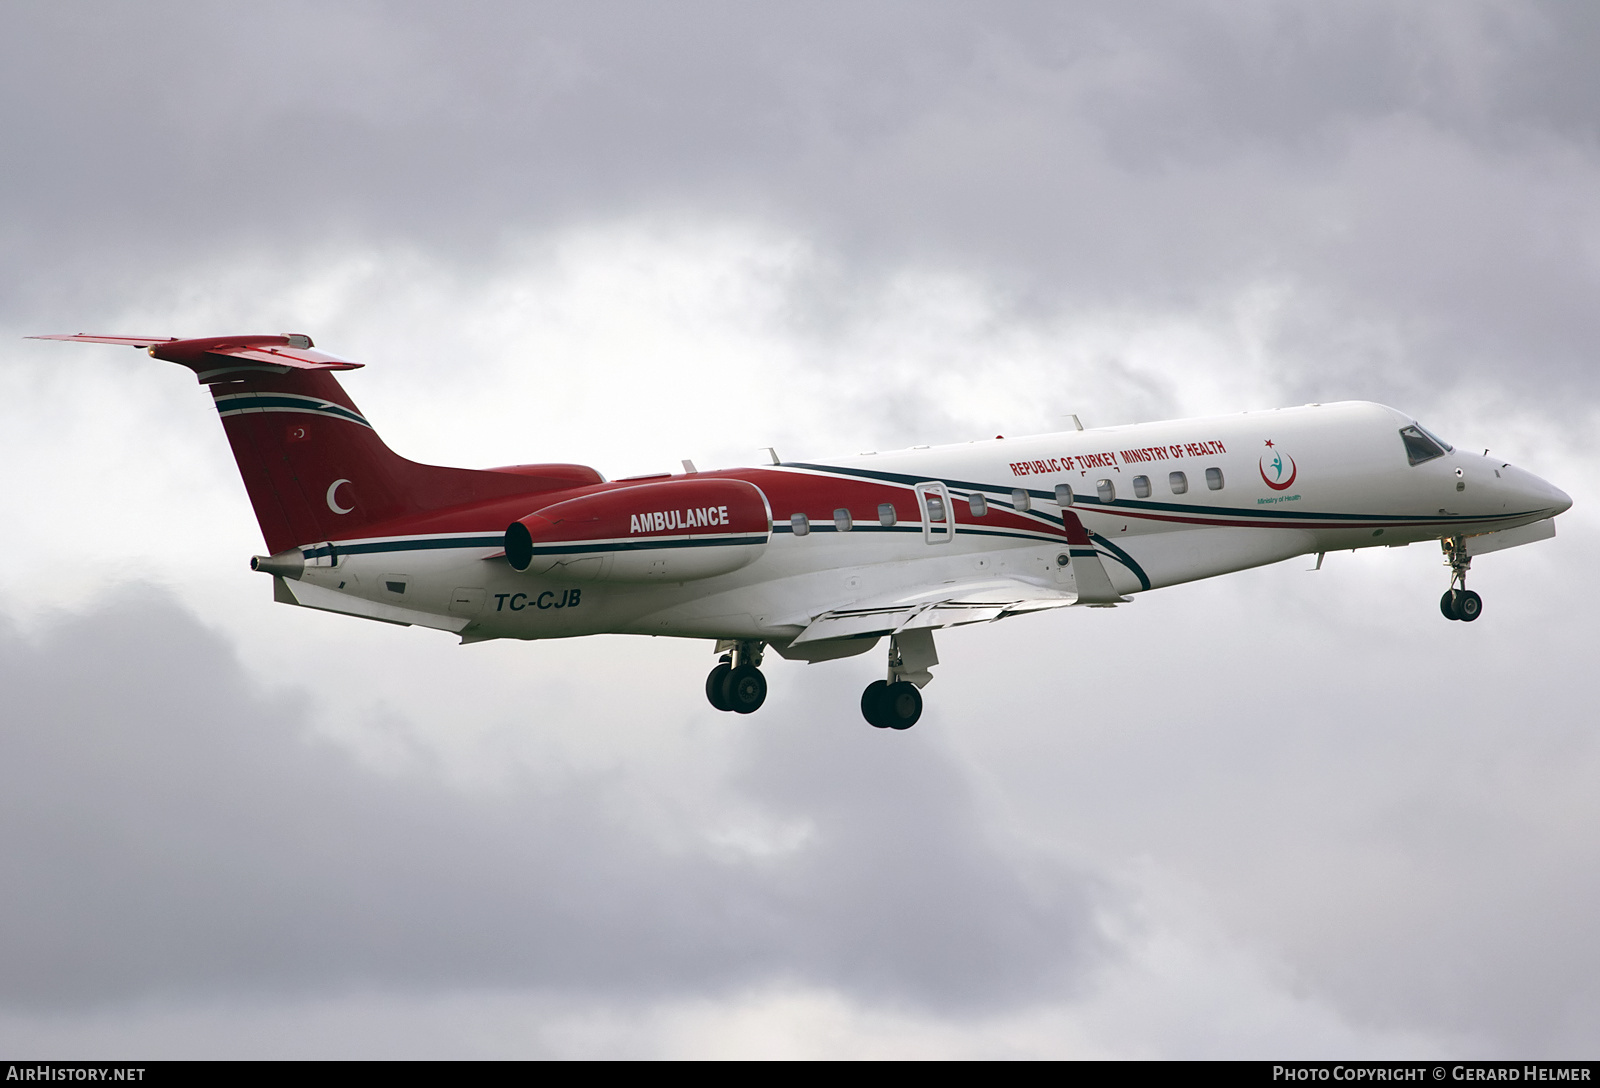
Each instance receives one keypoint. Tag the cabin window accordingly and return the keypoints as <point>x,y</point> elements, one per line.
<point>935,508</point>
<point>1063,494</point>
<point>1021,500</point>
<point>1106,490</point>
<point>978,505</point>
<point>841,520</point>
<point>1420,445</point>
<point>800,524</point>
<point>394,585</point>
<point>1178,482</point>
<point>1214,479</point>
<point>886,514</point>
<point>1141,487</point>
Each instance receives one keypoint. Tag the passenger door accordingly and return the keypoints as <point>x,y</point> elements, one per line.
<point>938,515</point>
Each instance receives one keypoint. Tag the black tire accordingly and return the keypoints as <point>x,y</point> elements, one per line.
<point>902,705</point>
<point>714,684</point>
<point>744,689</point>
<point>1447,605</point>
<point>872,704</point>
<point>1469,606</point>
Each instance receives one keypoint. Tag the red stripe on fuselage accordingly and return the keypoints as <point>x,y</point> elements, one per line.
<point>818,494</point>
<point>788,491</point>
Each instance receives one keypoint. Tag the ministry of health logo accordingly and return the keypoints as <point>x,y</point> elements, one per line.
<point>1277,468</point>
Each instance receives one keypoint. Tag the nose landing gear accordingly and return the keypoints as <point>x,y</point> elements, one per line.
<point>737,683</point>
<point>1459,602</point>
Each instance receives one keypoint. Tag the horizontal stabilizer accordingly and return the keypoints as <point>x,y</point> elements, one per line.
<point>125,341</point>
<point>307,595</point>
<point>209,356</point>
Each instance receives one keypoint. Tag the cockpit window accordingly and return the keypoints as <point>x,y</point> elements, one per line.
<point>1422,446</point>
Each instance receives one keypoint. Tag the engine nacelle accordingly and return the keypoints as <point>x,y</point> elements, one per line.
<point>671,531</point>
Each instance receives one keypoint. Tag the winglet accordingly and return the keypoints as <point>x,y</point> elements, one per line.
<point>1094,584</point>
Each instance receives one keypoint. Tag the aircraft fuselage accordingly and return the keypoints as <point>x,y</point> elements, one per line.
<point>1281,484</point>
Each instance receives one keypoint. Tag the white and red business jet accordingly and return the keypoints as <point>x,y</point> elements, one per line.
<point>822,559</point>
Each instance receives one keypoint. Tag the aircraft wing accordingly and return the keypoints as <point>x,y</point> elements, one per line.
<point>949,605</point>
<point>1511,538</point>
<point>976,601</point>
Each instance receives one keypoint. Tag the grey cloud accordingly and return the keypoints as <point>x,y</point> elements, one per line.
<point>1423,168</point>
<point>167,828</point>
<point>1400,811</point>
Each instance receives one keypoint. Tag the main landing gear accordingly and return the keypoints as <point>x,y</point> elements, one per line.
<point>736,683</point>
<point>896,703</point>
<point>1459,602</point>
<point>891,706</point>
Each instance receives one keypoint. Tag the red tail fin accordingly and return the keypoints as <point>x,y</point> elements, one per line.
<point>313,466</point>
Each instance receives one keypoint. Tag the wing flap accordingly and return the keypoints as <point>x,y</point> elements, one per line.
<point>946,606</point>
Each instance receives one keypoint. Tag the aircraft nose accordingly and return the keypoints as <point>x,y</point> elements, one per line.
<point>1560,501</point>
<point>1540,494</point>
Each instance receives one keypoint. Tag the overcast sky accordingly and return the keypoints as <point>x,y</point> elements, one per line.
<point>1277,814</point>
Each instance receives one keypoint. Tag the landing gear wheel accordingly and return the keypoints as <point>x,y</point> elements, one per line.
<point>902,705</point>
<point>872,704</point>
<point>1469,606</point>
<point>1447,605</point>
<point>744,689</point>
<point>714,684</point>
<point>891,706</point>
